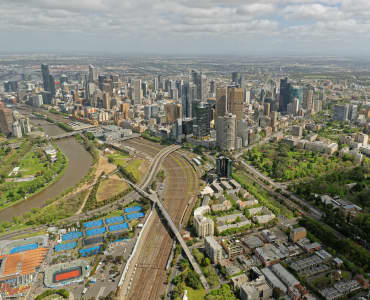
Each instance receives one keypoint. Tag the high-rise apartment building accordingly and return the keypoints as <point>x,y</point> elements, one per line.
<point>224,166</point>
<point>226,132</point>
<point>106,101</point>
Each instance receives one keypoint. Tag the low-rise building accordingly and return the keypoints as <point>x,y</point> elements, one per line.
<point>286,277</point>
<point>268,254</point>
<point>297,234</point>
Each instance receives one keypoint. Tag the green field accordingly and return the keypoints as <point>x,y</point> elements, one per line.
<point>196,294</point>
<point>131,165</point>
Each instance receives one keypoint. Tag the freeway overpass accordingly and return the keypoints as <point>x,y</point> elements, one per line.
<point>154,198</point>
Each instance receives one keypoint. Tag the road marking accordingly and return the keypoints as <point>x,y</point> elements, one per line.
<point>101,291</point>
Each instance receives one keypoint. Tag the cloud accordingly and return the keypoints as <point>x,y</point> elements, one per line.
<point>151,21</point>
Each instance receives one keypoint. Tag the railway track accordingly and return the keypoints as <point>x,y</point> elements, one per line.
<point>149,281</point>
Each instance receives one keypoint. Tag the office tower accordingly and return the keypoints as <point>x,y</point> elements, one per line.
<point>156,84</point>
<point>45,77</point>
<point>352,114</point>
<point>224,166</point>
<point>101,80</point>
<point>187,99</point>
<point>10,86</point>
<point>221,102</point>
<point>106,101</point>
<point>213,249</point>
<point>173,112</point>
<point>167,85</point>
<point>48,80</point>
<point>137,93</point>
<point>179,86</point>
<point>93,74</point>
<point>307,98</point>
<point>266,108</point>
<point>187,126</point>
<point>203,88</point>
<point>144,87</point>
<point>63,79</point>
<point>235,102</point>
<point>235,78</point>
<point>147,112</point>
<point>16,129</point>
<point>341,113</point>
<point>160,83</point>
<point>226,130</point>
<point>212,87</point>
<point>6,121</point>
<point>297,93</point>
<point>242,131</point>
<point>202,121</point>
<point>285,95</point>
<point>25,125</point>
<point>174,94</point>
<point>247,97</point>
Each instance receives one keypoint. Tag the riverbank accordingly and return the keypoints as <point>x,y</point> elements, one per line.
<point>80,162</point>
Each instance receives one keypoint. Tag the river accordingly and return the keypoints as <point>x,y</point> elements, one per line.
<point>79,163</point>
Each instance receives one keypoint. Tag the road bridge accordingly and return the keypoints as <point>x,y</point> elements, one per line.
<point>154,198</point>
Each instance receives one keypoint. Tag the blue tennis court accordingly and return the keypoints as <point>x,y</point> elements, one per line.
<point>133,209</point>
<point>118,227</point>
<point>65,247</point>
<point>95,223</point>
<point>23,248</point>
<point>113,220</point>
<point>96,231</point>
<point>135,216</point>
<point>72,235</point>
<point>90,251</point>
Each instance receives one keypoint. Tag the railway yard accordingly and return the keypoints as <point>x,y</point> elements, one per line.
<point>149,279</point>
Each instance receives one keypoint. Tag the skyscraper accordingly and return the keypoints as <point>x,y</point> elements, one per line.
<point>341,113</point>
<point>187,97</point>
<point>45,76</point>
<point>285,95</point>
<point>226,130</point>
<point>221,102</point>
<point>235,102</point>
<point>307,98</point>
<point>224,167</point>
<point>48,80</point>
<point>137,92</point>
<point>202,120</point>
<point>93,74</point>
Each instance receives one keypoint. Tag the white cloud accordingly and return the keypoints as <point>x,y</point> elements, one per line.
<point>165,19</point>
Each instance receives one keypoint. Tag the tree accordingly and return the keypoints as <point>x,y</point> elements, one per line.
<point>193,280</point>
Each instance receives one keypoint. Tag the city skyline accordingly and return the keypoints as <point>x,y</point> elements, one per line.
<point>217,27</point>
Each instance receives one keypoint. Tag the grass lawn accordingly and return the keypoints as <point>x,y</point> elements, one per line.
<point>32,163</point>
<point>114,213</point>
<point>131,165</point>
<point>195,294</point>
<point>109,188</point>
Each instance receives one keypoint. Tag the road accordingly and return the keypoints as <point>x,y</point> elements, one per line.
<point>150,278</point>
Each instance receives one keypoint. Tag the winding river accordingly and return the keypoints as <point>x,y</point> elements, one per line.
<point>79,163</point>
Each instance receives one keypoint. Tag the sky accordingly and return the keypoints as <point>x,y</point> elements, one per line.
<point>194,27</point>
